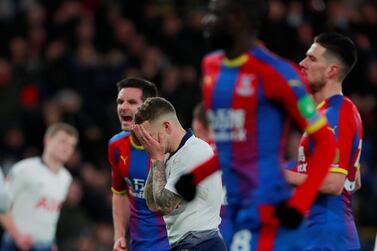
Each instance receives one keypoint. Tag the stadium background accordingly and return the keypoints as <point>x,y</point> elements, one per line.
<point>60,60</point>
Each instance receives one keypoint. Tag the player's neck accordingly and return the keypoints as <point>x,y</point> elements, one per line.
<point>329,90</point>
<point>242,44</point>
<point>176,139</point>
<point>52,164</point>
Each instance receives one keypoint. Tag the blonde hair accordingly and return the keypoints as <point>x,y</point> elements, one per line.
<point>60,126</point>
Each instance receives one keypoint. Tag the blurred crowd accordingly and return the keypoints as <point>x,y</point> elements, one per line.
<point>60,60</point>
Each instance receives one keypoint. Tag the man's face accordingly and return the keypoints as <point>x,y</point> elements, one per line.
<point>154,129</point>
<point>314,67</point>
<point>216,26</point>
<point>128,101</point>
<point>60,146</point>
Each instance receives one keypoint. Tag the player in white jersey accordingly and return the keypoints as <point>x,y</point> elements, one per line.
<point>175,151</point>
<point>38,186</point>
<point>4,195</point>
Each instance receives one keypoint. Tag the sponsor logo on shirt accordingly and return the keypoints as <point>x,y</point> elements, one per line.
<point>137,187</point>
<point>124,159</point>
<point>49,204</point>
<point>228,124</point>
<point>334,129</point>
<point>302,165</point>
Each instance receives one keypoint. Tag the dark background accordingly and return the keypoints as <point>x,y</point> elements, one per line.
<point>60,60</point>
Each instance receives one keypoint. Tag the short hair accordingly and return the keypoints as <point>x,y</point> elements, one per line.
<point>341,47</point>
<point>149,89</point>
<point>60,126</point>
<point>256,10</point>
<point>200,114</point>
<point>152,109</point>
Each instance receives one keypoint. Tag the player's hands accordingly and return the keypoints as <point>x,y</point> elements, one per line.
<point>155,147</point>
<point>120,245</point>
<point>23,241</point>
<point>289,216</point>
<point>185,187</point>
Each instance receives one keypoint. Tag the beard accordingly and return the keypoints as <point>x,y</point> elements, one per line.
<point>316,87</point>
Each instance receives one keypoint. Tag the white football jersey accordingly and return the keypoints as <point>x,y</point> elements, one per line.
<point>203,213</point>
<point>37,195</point>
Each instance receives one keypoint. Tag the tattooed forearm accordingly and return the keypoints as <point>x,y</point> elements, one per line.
<point>148,192</point>
<point>166,201</point>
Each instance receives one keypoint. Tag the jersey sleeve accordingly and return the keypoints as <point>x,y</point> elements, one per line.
<point>286,87</point>
<point>118,186</point>
<point>348,134</point>
<point>189,158</point>
<point>15,180</point>
<point>289,90</point>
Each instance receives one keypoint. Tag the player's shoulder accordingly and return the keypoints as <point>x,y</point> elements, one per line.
<point>213,57</point>
<point>351,110</point>
<point>196,146</point>
<point>275,64</point>
<point>194,152</point>
<point>26,167</point>
<point>344,104</point>
<point>347,102</point>
<point>27,164</point>
<point>343,109</point>
<point>119,136</point>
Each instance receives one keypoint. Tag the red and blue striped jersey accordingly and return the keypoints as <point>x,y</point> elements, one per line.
<point>130,165</point>
<point>330,222</point>
<point>248,101</point>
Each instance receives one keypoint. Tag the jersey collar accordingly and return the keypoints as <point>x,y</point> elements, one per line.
<point>235,62</point>
<point>187,135</point>
<point>134,145</point>
<point>324,102</point>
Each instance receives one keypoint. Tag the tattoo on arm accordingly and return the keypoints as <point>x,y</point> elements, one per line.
<point>148,192</point>
<point>166,201</point>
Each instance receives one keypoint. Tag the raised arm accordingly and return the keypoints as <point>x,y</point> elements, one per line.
<point>289,91</point>
<point>148,192</point>
<point>166,201</point>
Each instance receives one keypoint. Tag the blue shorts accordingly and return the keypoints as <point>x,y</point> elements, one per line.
<point>7,244</point>
<point>201,241</point>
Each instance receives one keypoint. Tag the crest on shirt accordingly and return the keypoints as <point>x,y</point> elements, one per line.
<point>245,88</point>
